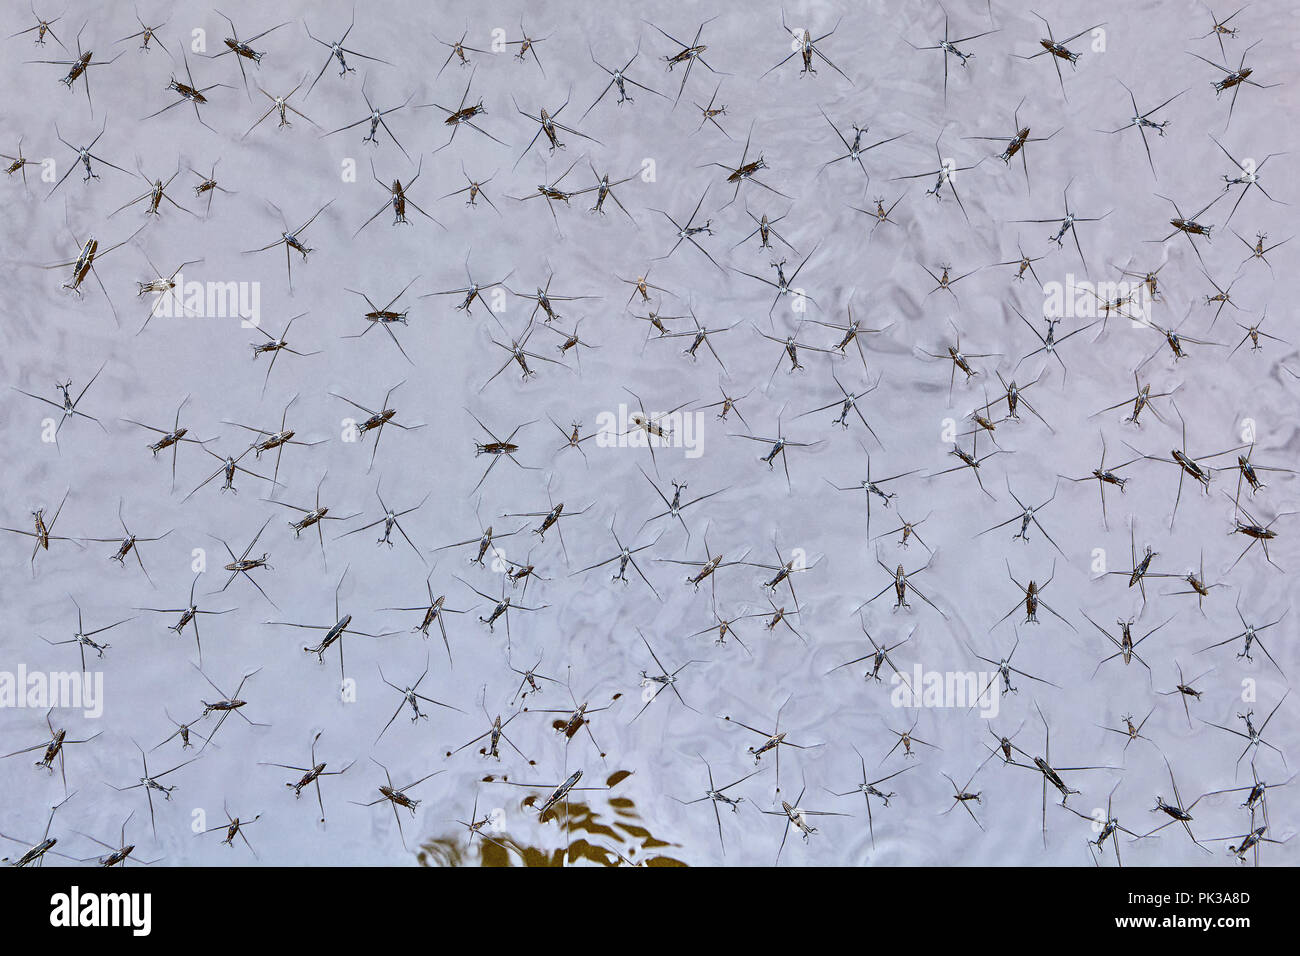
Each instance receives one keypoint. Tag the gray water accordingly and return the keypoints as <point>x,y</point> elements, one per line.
<point>589,630</point>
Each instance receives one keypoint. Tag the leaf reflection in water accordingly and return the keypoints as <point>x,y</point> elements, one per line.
<point>620,841</point>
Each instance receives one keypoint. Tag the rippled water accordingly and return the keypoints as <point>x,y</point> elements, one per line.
<point>591,631</point>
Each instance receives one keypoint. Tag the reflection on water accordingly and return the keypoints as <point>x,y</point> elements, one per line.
<point>620,840</point>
